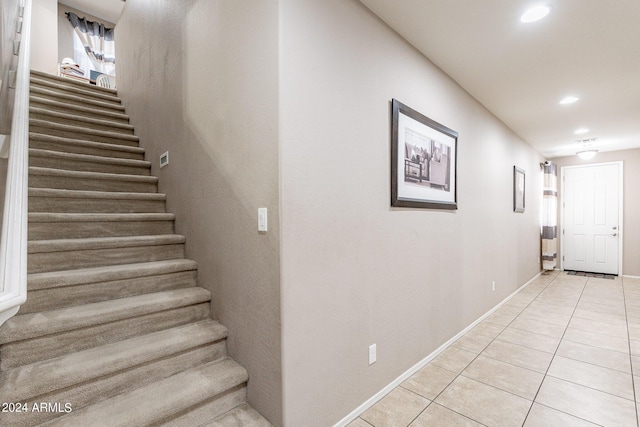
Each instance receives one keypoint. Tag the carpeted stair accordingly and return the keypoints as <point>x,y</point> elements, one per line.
<point>115,330</point>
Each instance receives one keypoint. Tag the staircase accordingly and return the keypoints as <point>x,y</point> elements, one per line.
<point>115,330</point>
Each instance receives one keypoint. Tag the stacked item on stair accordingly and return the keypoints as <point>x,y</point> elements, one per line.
<point>71,70</point>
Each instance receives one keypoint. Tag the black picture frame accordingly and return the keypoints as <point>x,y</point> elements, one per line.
<point>424,157</point>
<point>519,187</point>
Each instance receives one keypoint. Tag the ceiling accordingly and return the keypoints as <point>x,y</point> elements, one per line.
<point>586,48</point>
<point>109,10</point>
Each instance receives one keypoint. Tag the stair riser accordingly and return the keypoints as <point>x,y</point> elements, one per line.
<point>72,183</point>
<point>83,149</point>
<point>68,260</point>
<point>60,297</point>
<point>76,100</point>
<point>83,165</point>
<point>211,409</point>
<point>104,114</point>
<point>88,124</point>
<point>109,386</point>
<point>36,349</point>
<point>79,230</point>
<point>69,205</point>
<point>70,86</point>
<point>80,134</point>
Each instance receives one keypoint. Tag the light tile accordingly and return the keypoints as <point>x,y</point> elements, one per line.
<point>597,339</point>
<point>454,359</point>
<point>518,355</point>
<point>614,319</point>
<point>473,342</point>
<point>429,381</point>
<point>436,415</point>
<point>604,379</point>
<point>488,328</point>
<point>359,422</point>
<point>519,381</point>
<point>530,339</point>
<point>597,308</point>
<point>396,409</point>
<point>635,347</point>
<point>539,327</point>
<point>595,355</point>
<point>483,403</point>
<point>503,317</point>
<point>586,403</point>
<point>545,316</point>
<point>619,330</point>
<point>543,416</point>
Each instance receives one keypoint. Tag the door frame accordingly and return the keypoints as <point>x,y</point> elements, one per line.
<point>620,164</point>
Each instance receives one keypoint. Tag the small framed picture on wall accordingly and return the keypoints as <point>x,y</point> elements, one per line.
<point>518,189</point>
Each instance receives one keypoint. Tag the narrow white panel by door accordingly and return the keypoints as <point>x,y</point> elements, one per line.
<point>591,215</point>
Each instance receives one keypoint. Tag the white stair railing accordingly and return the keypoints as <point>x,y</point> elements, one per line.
<point>13,246</point>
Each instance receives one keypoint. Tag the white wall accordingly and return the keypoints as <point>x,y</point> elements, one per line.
<point>44,36</point>
<point>355,271</point>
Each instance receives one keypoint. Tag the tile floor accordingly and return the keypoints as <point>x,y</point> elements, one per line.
<point>565,351</point>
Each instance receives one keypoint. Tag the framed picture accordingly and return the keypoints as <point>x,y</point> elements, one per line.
<point>423,161</point>
<point>518,189</point>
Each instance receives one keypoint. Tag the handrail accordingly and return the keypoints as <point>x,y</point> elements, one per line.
<point>13,246</point>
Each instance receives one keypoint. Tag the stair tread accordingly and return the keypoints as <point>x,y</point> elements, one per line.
<point>34,99</point>
<point>89,158</point>
<point>87,101</point>
<point>24,326</point>
<point>37,170</point>
<point>161,399</point>
<point>88,194</point>
<point>83,90</point>
<point>83,130</point>
<point>39,246</point>
<point>82,276</point>
<point>45,376</point>
<point>99,217</point>
<point>83,119</point>
<point>102,145</point>
<point>47,76</point>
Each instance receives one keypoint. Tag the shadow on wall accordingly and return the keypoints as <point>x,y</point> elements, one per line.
<point>190,83</point>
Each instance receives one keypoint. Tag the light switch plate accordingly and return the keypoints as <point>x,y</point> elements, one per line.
<point>262,220</point>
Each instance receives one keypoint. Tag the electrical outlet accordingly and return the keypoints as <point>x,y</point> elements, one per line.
<point>372,354</point>
<point>493,285</point>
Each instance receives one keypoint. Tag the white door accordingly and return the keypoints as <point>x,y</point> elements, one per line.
<point>591,218</point>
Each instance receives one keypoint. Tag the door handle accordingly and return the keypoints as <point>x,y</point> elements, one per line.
<point>614,234</point>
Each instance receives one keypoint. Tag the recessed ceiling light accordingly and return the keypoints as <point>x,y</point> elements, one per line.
<point>535,13</point>
<point>581,131</point>
<point>568,100</point>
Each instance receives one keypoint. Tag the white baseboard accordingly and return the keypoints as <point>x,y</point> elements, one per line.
<point>415,368</point>
<point>630,277</point>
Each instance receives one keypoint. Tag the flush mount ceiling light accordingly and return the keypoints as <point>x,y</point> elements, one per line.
<point>581,131</point>
<point>569,100</point>
<point>588,151</point>
<point>535,13</point>
<point>586,154</point>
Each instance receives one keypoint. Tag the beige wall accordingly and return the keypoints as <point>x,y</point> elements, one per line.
<point>199,79</point>
<point>44,36</point>
<point>631,204</point>
<point>355,271</point>
<point>286,105</point>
